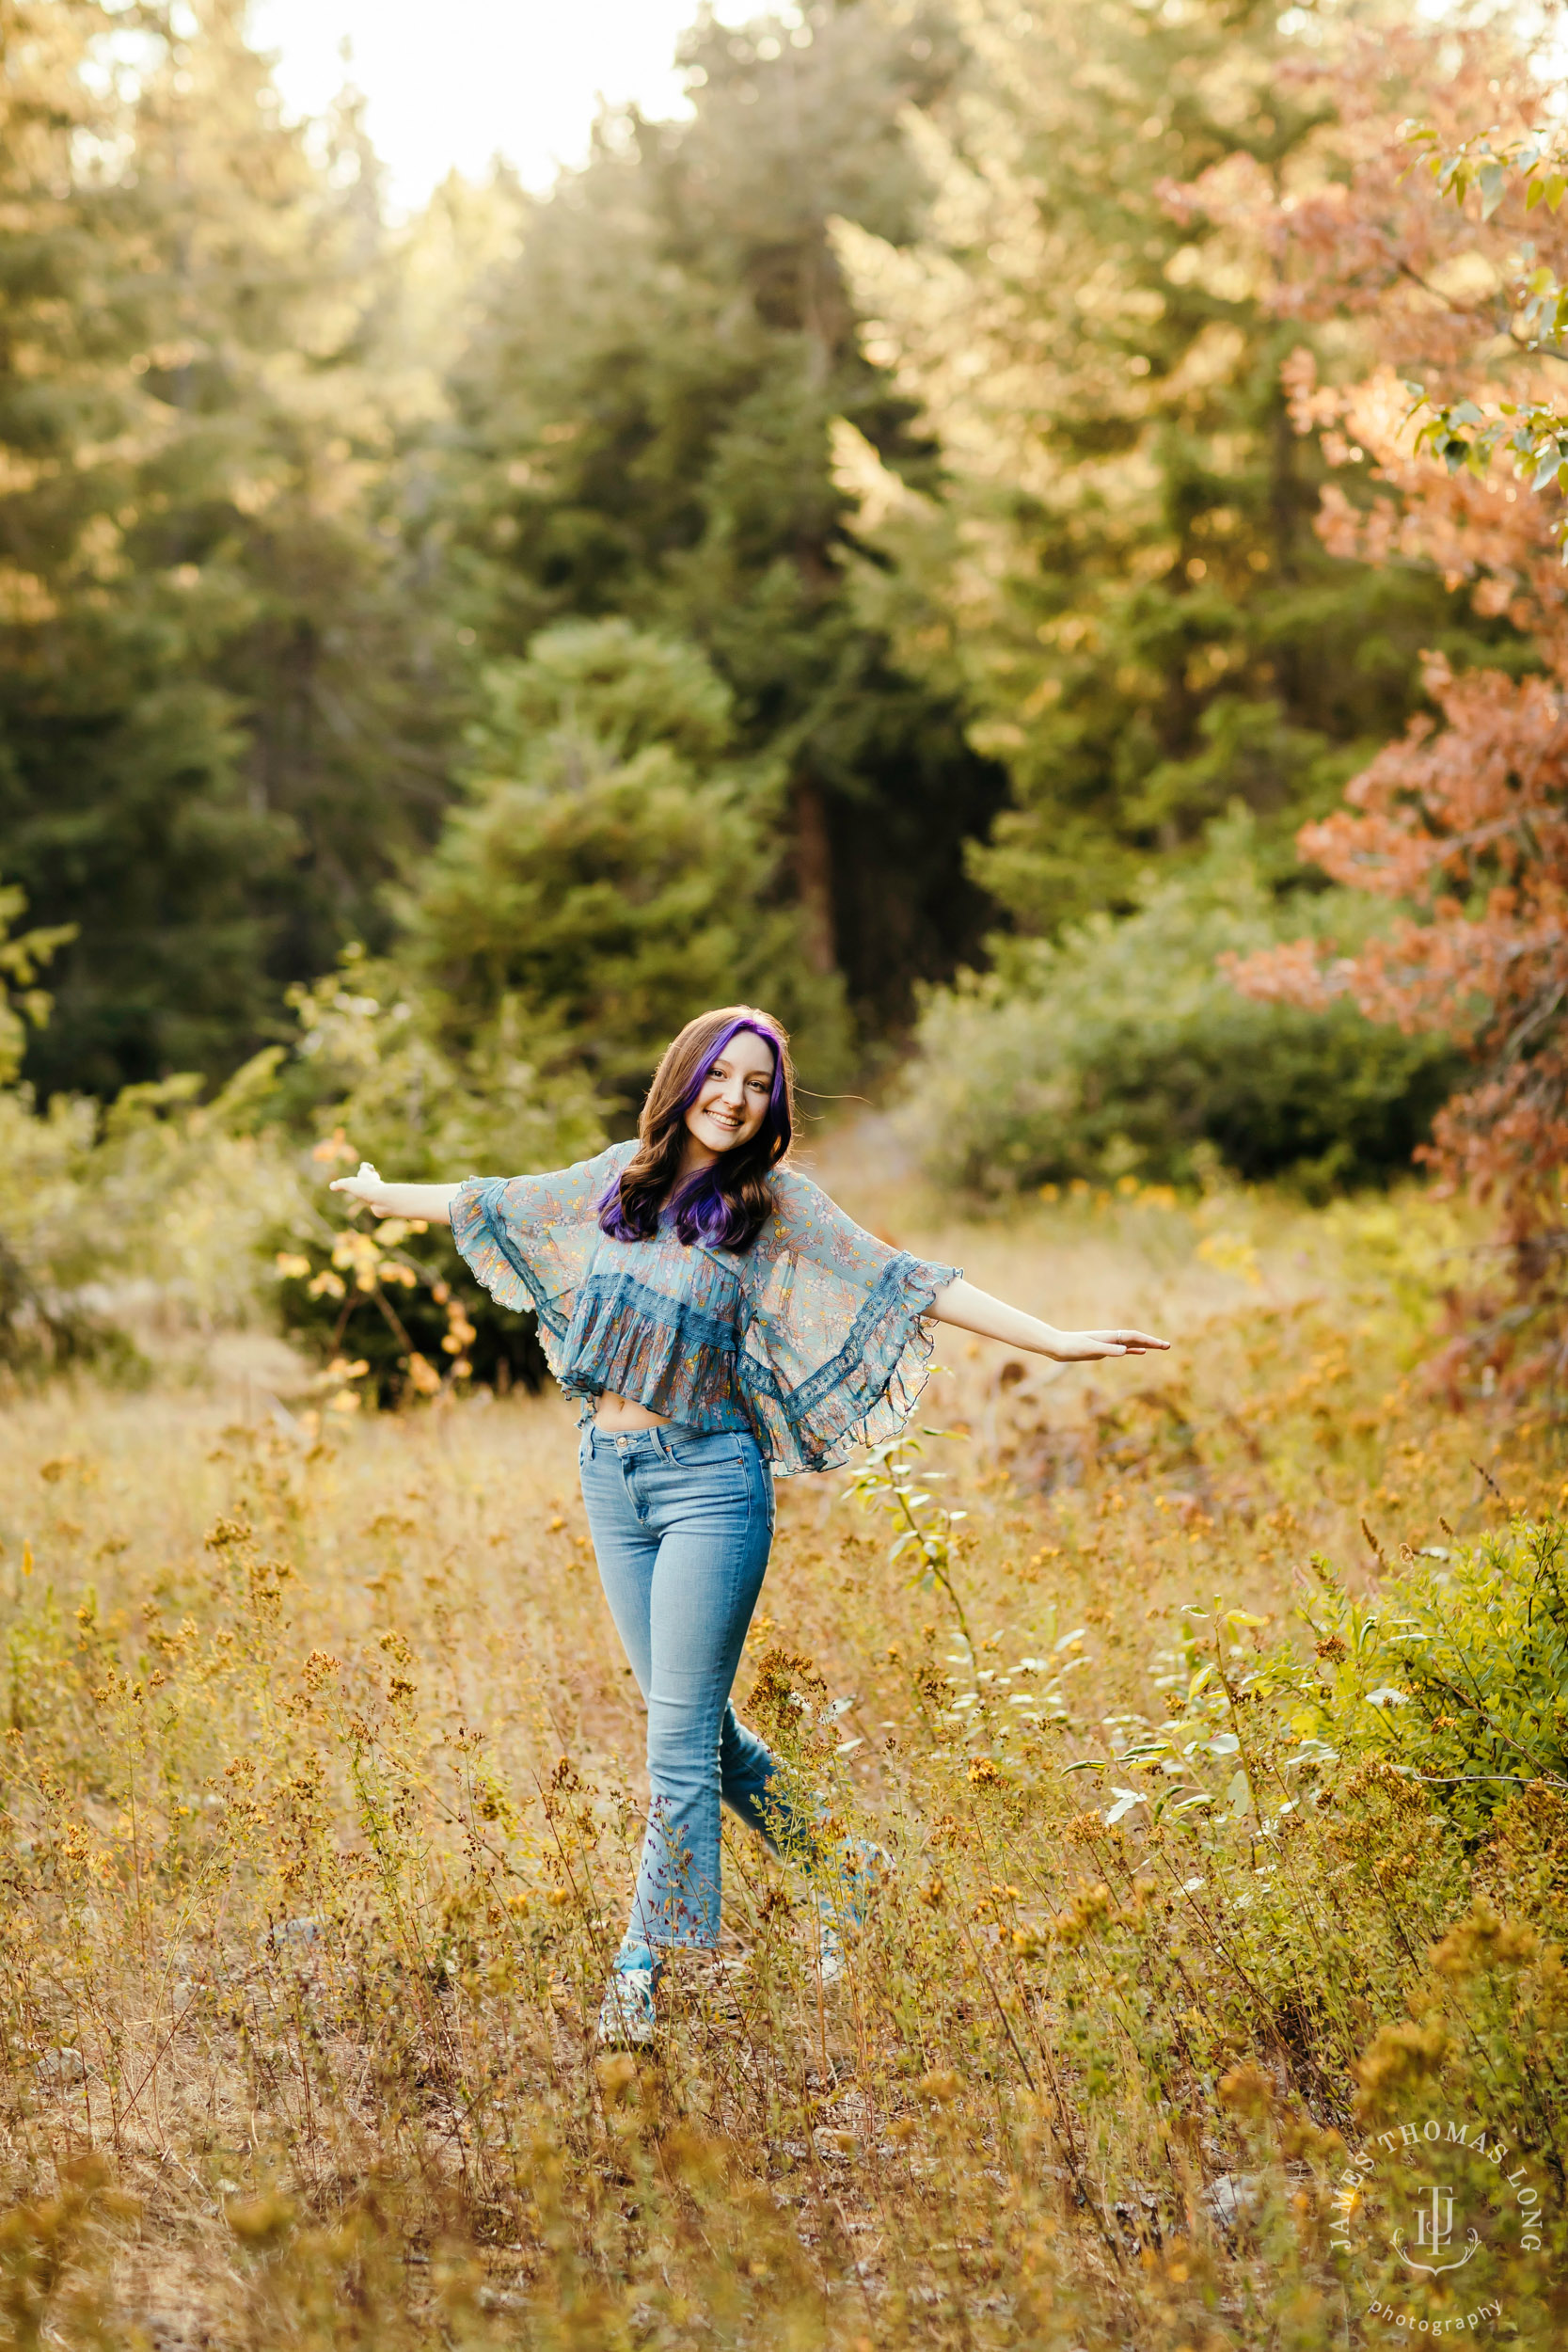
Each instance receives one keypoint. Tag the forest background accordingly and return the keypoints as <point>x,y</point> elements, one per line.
<point>1029,539</point>
<point>889,546</point>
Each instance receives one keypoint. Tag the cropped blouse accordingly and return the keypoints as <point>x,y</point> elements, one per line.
<point>813,1339</point>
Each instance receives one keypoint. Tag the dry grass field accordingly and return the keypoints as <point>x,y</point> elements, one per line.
<point>321,1793</point>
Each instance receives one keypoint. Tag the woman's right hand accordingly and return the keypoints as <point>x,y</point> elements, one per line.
<point>382,1200</point>
<point>432,1202</point>
<point>366,1188</point>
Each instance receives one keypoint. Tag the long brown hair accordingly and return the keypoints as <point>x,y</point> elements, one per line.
<point>727,1203</point>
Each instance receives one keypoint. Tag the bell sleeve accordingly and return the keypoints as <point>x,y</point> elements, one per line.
<point>838,1343</point>
<point>528,1239</point>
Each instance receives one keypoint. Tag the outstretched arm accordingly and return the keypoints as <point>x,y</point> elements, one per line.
<point>974,1310</point>
<point>431,1201</point>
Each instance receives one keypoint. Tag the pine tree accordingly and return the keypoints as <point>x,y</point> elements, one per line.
<point>646,417</point>
<point>1125,584</point>
<point>610,870</point>
<point>208,759</point>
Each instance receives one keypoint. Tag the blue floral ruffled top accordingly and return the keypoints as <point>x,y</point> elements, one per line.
<point>813,1339</point>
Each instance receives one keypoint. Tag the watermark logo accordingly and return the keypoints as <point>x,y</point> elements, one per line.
<point>1431,2207</point>
<point>1434,2233</point>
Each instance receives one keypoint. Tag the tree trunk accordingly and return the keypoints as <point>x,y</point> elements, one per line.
<point>814,875</point>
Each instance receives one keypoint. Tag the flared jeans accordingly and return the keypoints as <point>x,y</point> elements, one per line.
<point>682,1523</point>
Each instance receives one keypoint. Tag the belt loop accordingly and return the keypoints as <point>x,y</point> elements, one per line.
<point>591,1446</point>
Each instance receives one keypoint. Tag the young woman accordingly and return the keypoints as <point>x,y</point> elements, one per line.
<point>723,1324</point>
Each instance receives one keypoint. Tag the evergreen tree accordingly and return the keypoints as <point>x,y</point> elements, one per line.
<point>645,429</point>
<point>610,872</point>
<point>1125,584</point>
<point>207,757</point>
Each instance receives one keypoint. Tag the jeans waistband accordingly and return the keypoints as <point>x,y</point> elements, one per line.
<point>658,1440</point>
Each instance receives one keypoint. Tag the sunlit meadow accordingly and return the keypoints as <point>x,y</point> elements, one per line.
<point>323,1793</point>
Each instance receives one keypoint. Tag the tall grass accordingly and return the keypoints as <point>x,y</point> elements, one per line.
<point>321,1802</point>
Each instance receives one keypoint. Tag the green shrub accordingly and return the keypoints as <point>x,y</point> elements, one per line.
<point>148,1209</point>
<point>1124,1049</point>
<point>368,1079</point>
<point>1457,1672</point>
<point>158,1214</point>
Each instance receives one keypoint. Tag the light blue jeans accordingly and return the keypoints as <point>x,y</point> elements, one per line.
<point>682,1523</point>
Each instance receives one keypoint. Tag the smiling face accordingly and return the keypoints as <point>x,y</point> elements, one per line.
<point>732,1101</point>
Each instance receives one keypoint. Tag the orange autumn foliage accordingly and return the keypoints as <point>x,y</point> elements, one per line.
<point>1463,823</point>
<point>1468,823</point>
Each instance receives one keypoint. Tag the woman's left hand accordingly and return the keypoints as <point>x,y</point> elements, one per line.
<point>1087,1348</point>
<point>973,1310</point>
